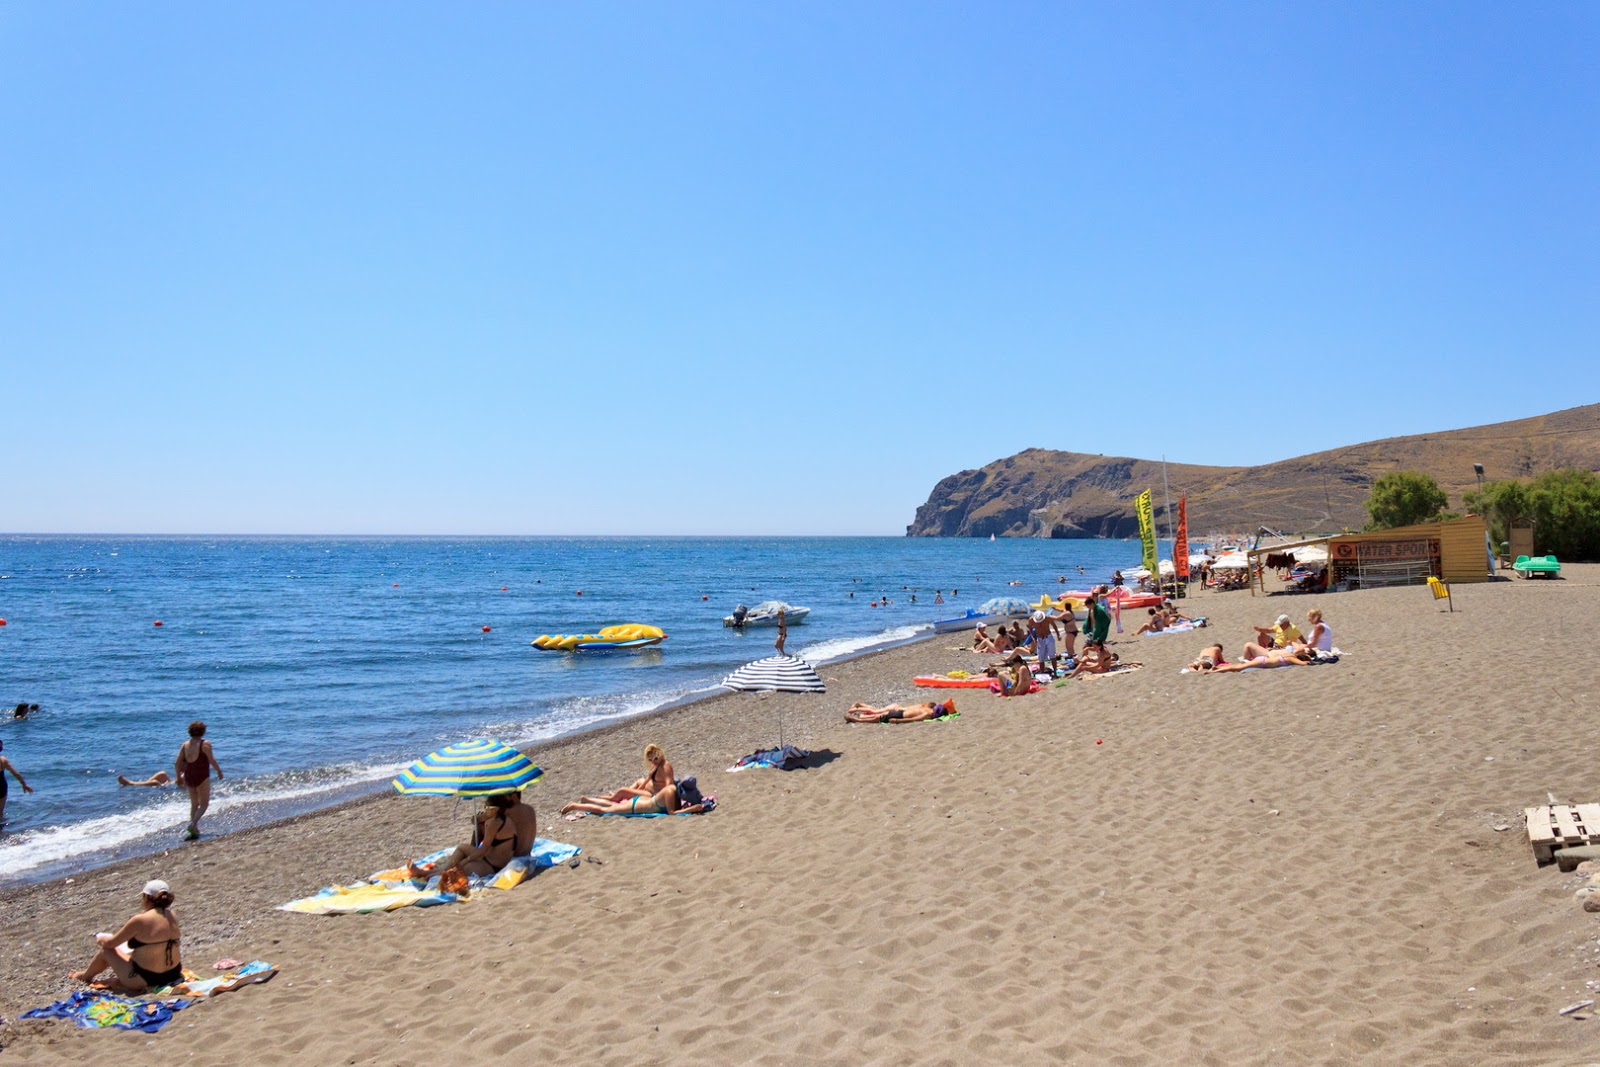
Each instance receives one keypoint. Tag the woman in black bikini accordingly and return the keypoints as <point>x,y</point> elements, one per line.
<point>151,939</point>
<point>499,843</point>
<point>661,775</point>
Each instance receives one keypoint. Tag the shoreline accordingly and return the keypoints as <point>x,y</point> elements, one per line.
<point>339,796</point>
<point>1285,866</point>
<point>62,871</point>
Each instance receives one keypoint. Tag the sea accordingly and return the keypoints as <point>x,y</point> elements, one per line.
<point>322,666</point>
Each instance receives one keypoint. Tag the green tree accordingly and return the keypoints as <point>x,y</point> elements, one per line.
<point>1402,498</point>
<point>1566,513</point>
<point>1502,505</point>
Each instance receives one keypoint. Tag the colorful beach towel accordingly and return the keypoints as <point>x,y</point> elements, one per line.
<point>392,889</point>
<point>97,1009</point>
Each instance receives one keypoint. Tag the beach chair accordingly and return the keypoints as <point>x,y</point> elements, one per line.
<point>1441,591</point>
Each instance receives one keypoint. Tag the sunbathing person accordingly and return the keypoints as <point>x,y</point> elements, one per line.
<point>661,775</point>
<point>151,940</point>
<point>1284,657</point>
<point>981,641</point>
<point>497,835</point>
<point>1209,660</point>
<point>1097,659</point>
<point>1154,625</point>
<point>666,802</point>
<point>895,713</point>
<point>158,778</point>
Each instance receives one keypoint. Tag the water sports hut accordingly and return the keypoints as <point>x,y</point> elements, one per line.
<point>1456,550</point>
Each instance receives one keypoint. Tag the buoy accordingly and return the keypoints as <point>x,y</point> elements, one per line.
<point>158,622</point>
<point>396,585</point>
<point>502,589</point>
<point>485,629</point>
<point>3,622</point>
<point>580,592</point>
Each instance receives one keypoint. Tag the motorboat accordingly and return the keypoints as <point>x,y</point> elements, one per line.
<point>765,614</point>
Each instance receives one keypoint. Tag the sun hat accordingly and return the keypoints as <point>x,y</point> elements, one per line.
<point>155,887</point>
<point>1038,616</point>
<point>1283,620</point>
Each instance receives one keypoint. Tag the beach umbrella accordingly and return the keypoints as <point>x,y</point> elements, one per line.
<point>776,674</point>
<point>784,674</point>
<point>478,768</point>
<point>1004,605</point>
<point>1231,563</point>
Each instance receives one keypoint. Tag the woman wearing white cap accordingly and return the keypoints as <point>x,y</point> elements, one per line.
<point>143,955</point>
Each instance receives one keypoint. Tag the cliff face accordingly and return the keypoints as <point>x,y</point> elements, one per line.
<point>1041,493</point>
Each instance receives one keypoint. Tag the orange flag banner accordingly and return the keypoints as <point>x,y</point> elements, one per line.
<point>1180,543</point>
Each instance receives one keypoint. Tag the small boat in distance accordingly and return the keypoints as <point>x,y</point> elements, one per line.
<point>765,614</point>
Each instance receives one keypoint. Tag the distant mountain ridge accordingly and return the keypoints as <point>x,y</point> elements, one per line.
<point>1043,493</point>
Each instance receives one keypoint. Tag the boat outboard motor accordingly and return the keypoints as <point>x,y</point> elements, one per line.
<point>739,613</point>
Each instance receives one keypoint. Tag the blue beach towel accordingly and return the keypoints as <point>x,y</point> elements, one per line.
<point>96,1009</point>
<point>783,758</point>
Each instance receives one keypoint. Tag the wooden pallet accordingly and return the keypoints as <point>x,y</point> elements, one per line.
<point>1553,826</point>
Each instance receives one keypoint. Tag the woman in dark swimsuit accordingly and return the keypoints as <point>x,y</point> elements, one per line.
<point>151,938</point>
<point>194,765</point>
<point>661,775</point>
<point>498,843</point>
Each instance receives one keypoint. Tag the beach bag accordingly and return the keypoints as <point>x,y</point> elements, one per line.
<point>689,792</point>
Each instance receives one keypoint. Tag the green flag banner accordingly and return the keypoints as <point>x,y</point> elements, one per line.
<point>1147,534</point>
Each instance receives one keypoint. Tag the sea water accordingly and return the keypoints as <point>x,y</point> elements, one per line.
<point>322,666</point>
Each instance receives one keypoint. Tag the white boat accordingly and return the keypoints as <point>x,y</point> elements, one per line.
<point>971,619</point>
<point>765,614</point>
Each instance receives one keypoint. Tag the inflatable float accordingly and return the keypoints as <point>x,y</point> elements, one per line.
<point>627,635</point>
<point>942,681</point>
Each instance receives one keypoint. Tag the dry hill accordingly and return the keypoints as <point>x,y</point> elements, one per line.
<point>1041,493</point>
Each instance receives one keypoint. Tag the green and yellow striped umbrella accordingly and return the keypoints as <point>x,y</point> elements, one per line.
<point>479,768</point>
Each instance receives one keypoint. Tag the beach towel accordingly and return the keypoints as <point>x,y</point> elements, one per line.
<point>97,1009</point>
<point>253,973</point>
<point>786,758</point>
<point>1182,627</point>
<point>394,888</point>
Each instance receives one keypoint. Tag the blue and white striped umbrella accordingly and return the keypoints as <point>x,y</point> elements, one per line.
<point>478,768</point>
<point>785,674</point>
<point>1005,605</point>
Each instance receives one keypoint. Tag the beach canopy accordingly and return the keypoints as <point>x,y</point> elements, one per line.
<point>1231,563</point>
<point>479,768</point>
<point>1004,605</point>
<point>785,674</point>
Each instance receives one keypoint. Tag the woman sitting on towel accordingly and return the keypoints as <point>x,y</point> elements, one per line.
<point>860,712</point>
<point>661,775</point>
<point>143,955</point>
<point>665,802</point>
<point>1283,657</point>
<point>497,835</point>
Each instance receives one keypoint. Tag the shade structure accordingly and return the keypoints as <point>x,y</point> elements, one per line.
<point>479,768</point>
<point>1231,563</point>
<point>784,674</point>
<point>1005,605</point>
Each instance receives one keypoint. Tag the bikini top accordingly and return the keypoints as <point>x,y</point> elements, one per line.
<point>134,943</point>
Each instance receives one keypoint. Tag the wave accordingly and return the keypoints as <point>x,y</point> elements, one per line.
<point>842,647</point>
<point>249,802</point>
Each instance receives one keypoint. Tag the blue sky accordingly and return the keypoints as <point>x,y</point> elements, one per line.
<point>752,268</point>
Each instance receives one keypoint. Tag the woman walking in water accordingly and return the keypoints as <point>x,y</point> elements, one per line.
<point>194,765</point>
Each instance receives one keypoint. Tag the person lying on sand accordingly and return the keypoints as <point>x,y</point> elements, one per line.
<point>151,940</point>
<point>895,713</point>
<point>661,775</point>
<point>1298,657</point>
<point>498,839</point>
<point>666,802</point>
<point>157,779</point>
<point>1209,659</point>
<point>1097,659</point>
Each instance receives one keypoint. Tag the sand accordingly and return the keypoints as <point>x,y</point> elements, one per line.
<point>1298,866</point>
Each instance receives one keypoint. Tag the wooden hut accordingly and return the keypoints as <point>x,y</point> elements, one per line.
<point>1456,550</point>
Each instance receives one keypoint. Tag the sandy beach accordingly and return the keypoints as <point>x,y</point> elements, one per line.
<point>1320,865</point>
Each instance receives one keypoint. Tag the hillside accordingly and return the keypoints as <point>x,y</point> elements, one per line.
<point>1042,493</point>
